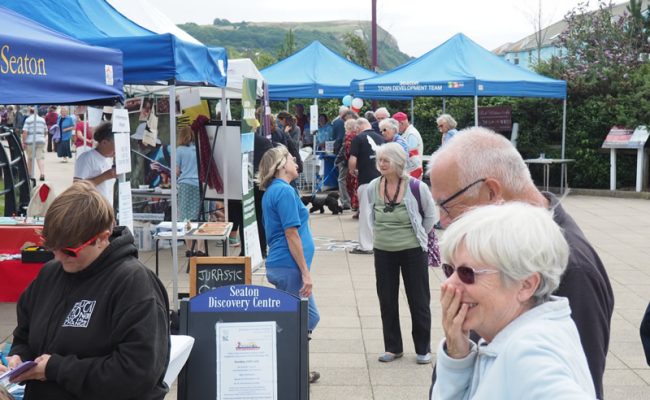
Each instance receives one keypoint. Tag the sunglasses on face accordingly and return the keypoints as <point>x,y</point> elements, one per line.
<point>457,194</point>
<point>467,275</point>
<point>74,251</point>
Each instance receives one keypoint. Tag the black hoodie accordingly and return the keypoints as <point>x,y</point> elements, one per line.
<point>106,328</point>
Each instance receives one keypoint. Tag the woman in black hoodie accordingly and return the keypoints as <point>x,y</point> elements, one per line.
<point>95,319</point>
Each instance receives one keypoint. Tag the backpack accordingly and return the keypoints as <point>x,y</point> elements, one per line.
<point>55,131</point>
<point>432,243</point>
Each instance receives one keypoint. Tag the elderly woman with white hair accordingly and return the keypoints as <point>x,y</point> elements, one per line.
<point>502,264</point>
<point>447,126</point>
<point>403,214</point>
<point>389,129</point>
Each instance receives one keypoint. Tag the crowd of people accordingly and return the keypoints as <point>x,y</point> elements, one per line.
<point>525,308</point>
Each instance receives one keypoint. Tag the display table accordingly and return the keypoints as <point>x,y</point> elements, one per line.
<point>14,275</point>
<point>546,163</point>
<point>193,235</point>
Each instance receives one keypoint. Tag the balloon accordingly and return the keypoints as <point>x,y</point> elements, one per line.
<point>357,103</point>
<point>347,100</point>
<point>356,110</point>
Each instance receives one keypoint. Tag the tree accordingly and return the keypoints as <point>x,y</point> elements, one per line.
<point>639,26</point>
<point>356,49</point>
<point>288,47</point>
<point>540,21</point>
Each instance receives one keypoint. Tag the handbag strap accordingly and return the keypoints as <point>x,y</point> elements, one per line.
<point>414,184</point>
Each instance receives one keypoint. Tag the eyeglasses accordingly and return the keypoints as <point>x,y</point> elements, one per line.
<point>440,126</point>
<point>384,130</point>
<point>467,275</point>
<point>457,194</point>
<point>74,251</point>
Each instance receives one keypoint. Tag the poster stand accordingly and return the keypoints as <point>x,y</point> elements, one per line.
<point>236,306</point>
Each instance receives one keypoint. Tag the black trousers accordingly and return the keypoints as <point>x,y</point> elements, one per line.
<point>260,218</point>
<point>413,265</point>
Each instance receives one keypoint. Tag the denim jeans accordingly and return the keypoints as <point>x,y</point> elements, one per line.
<point>290,280</point>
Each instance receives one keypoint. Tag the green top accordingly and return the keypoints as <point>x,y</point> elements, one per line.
<point>393,230</point>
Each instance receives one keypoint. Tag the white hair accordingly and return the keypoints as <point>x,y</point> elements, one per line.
<point>448,119</point>
<point>516,238</point>
<point>363,124</point>
<point>390,123</point>
<point>396,156</point>
<point>481,153</point>
<point>343,110</point>
<point>382,111</point>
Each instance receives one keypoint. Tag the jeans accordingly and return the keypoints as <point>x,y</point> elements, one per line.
<point>290,280</point>
<point>344,196</point>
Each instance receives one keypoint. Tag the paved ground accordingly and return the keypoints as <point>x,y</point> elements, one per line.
<point>348,339</point>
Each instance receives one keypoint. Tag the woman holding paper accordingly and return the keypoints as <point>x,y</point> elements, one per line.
<point>95,319</point>
<point>189,195</point>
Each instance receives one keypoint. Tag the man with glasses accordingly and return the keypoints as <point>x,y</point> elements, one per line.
<point>481,167</point>
<point>380,114</point>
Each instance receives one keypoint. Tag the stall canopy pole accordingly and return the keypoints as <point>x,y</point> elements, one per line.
<point>412,112</point>
<point>33,144</point>
<point>475,110</point>
<point>224,123</point>
<point>172,144</point>
<point>563,165</point>
<point>444,105</point>
<point>313,149</point>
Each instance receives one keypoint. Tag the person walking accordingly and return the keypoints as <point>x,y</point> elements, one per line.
<point>67,125</point>
<point>33,138</point>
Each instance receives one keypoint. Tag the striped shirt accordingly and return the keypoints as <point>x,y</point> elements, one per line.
<point>34,125</point>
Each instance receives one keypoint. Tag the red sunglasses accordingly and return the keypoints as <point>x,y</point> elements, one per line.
<point>74,251</point>
<point>467,275</point>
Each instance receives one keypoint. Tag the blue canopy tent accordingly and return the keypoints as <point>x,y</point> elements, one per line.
<point>149,58</point>
<point>460,67</point>
<point>313,72</point>
<point>36,65</point>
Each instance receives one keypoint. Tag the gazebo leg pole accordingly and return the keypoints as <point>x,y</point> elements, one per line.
<point>475,110</point>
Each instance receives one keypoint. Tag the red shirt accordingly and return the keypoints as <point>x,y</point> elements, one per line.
<point>89,134</point>
<point>50,119</point>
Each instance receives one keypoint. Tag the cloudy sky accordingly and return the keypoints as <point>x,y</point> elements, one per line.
<point>418,25</point>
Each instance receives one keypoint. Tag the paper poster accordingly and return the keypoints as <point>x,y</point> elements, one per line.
<point>122,153</point>
<point>313,117</point>
<point>125,205</point>
<point>246,360</point>
<point>151,135</point>
<point>189,98</point>
<point>121,120</point>
<point>95,116</point>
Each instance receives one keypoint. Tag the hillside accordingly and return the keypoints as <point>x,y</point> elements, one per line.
<point>261,41</point>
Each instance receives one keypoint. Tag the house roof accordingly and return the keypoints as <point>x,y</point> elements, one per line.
<point>551,33</point>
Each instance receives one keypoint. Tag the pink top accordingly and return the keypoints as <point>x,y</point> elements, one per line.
<point>89,135</point>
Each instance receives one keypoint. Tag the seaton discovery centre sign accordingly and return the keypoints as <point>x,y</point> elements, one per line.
<point>20,64</point>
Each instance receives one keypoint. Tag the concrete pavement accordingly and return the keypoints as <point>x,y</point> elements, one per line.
<point>348,340</point>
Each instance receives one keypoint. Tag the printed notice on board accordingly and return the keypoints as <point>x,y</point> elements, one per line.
<point>246,360</point>
<point>120,120</point>
<point>122,153</point>
<point>125,204</point>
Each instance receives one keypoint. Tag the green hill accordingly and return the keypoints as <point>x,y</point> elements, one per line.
<point>262,41</point>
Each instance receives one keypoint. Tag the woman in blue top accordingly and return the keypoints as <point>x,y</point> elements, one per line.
<point>286,223</point>
<point>189,195</point>
<point>67,125</point>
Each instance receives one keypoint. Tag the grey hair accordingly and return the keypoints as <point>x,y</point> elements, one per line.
<point>396,156</point>
<point>448,119</point>
<point>481,153</point>
<point>350,124</point>
<point>363,124</point>
<point>382,111</point>
<point>516,238</point>
<point>343,110</point>
<point>390,123</point>
<point>272,160</point>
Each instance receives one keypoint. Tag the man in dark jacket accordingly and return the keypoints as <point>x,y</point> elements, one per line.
<point>95,320</point>
<point>481,167</point>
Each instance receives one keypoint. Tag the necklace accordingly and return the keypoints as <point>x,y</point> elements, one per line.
<point>390,207</point>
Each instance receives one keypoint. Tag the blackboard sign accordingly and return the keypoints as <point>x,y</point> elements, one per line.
<point>499,119</point>
<point>207,273</point>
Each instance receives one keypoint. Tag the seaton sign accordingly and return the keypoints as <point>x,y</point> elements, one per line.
<point>20,65</point>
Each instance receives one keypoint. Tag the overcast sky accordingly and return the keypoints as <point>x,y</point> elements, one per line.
<point>418,25</point>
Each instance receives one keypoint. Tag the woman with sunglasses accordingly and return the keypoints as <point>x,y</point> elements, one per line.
<point>502,262</point>
<point>402,224</point>
<point>286,222</point>
<point>95,319</point>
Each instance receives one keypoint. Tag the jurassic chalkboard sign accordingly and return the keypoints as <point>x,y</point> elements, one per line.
<point>207,273</point>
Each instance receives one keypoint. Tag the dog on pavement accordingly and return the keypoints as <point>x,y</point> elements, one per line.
<point>321,200</point>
